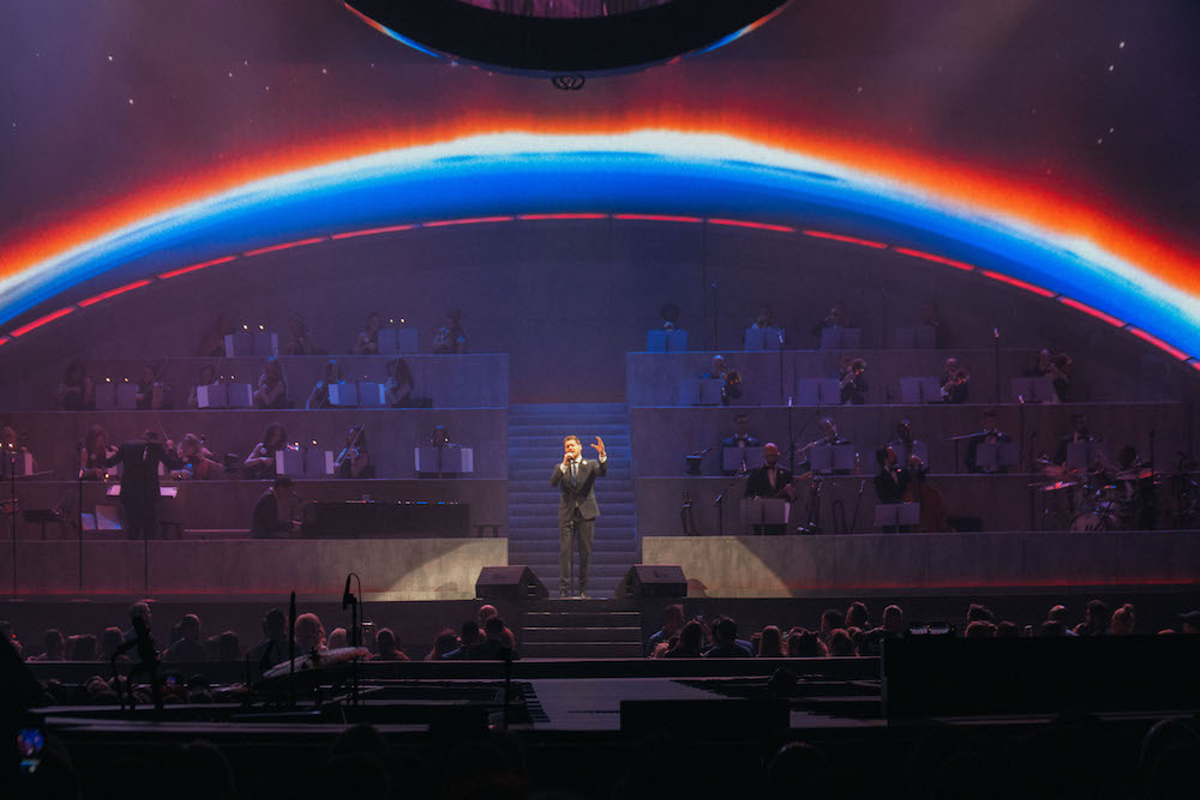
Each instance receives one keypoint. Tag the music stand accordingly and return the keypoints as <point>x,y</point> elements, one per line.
<point>766,515</point>
<point>897,515</point>
<point>700,391</point>
<point>818,392</point>
<point>992,456</point>
<point>662,341</point>
<point>827,459</point>
<point>734,458</point>
<point>1082,455</point>
<point>762,339</point>
<point>1034,390</point>
<point>920,390</point>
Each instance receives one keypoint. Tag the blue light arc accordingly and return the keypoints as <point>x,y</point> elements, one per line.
<point>645,173</point>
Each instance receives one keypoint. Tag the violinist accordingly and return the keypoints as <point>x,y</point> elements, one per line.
<point>367,343</point>
<point>450,339</point>
<point>198,463</point>
<point>11,450</point>
<point>956,382</point>
<point>319,396</point>
<point>261,461</point>
<point>96,451</point>
<point>207,377</point>
<point>272,388</point>
<point>355,459</point>
<point>301,342</point>
<point>399,385</point>
<point>151,392</point>
<point>852,381</point>
<point>77,391</point>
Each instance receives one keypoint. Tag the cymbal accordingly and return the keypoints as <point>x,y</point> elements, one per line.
<point>1058,486</point>
<point>1142,474</point>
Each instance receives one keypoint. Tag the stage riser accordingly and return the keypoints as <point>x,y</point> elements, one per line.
<point>881,564</point>
<point>227,505</point>
<point>391,569</point>
<point>54,437</point>
<point>460,381</point>
<point>664,436</point>
<point>1001,502</point>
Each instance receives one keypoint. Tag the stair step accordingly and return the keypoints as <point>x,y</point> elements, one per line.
<point>581,650</point>
<point>581,634</point>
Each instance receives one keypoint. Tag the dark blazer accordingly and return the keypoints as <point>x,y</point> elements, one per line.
<point>888,490</point>
<point>578,494</point>
<point>759,485</point>
<point>139,462</point>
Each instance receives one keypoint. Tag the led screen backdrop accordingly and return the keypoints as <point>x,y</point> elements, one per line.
<point>1048,143</point>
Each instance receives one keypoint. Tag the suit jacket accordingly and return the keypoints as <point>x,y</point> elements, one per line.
<point>759,485</point>
<point>578,494</point>
<point>139,462</point>
<point>888,490</point>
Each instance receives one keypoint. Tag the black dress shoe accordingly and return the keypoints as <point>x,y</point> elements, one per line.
<point>582,595</point>
<point>564,594</point>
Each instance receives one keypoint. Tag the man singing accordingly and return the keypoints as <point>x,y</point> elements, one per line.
<point>577,509</point>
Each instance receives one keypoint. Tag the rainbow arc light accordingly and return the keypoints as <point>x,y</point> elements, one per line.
<point>644,176</point>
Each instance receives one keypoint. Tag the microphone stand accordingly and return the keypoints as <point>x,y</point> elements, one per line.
<point>292,651</point>
<point>996,358</point>
<point>719,503</point>
<point>80,517</point>
<point>12,510</point>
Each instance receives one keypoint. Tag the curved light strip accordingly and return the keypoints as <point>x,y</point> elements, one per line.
<point>648,174</point>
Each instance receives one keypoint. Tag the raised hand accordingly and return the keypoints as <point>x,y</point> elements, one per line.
<point>598,446</point>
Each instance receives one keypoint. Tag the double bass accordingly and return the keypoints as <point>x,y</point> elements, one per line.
<point>920,490</point>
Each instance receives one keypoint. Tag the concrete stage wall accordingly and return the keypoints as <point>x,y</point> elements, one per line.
<point>798,566</point>
<point>458,381</point>
<point>391,569</point>
<point>227,505</point>
<point>768,378</point>
<point>53,436</point>
<point>664,436</point>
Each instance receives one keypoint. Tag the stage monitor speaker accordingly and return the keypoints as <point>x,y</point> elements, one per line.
<point>509,583</point>
<point>653,580</point>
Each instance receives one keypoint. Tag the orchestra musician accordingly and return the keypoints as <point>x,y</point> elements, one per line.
<point>319,396</point>
<point>96,451</point>
<point>741,437</point>
<point>151,392</point>
<point>731,378</point>
<point>852,381</point>
<point>771,481</point>
<point>207,377</point>
<point>355,459</point>
<point>670,317</point>
<point>261,461</point>
<point>139,460</point>
<point>764,320</point>
<point>272,516</point>
<point>990,433</point>
<point>300,344</point>
<point>399,384</point>
<point>1134,479</point>
<point>272,388</point>
<point>829,438</point>
<point>450,339</point>
<point>213,343</point>
<point>575,477</point>
<point>12,448</point>
<point>198,462</point>
<point>894,478</point>
<point>956,382</point>
<point>835,317</point>
<point>1056,368</point>
<point>367,343</point>
<point>77,391</point>
<point>1080,433</point>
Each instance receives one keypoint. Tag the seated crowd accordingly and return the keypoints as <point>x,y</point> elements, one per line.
<point>851,633</point>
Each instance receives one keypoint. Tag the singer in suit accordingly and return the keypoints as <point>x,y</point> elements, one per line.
<point>577,509</point>
<point>139,460</point>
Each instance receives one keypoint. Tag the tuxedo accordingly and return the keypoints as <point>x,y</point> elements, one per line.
<point>139,462</point>
<point>577,512</point>
<point>759,482</point>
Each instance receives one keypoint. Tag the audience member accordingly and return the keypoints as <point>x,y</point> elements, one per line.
<point>726,644</point>
<point>110,640</point>
<point>272,388</point>
<point>337,639</point>
<point>81,647</point>
<point>274,646</point>
<point>803,643</point>
<point>1096,619</point>
<point>53,646</point>
<point>469,638</point>
<point>831,620</point>
<point>672,624</point>
<point>980,629</point>
<point>388,645</point>
<point>1007,630</point>
<point>857,615</point>
<point>188,647</point>
<point>486,612</point>
<point>771,643</point>
<point>1190,622</point>
<point>310,634</point>
<point>691,642</point>
<point>445,642</point>
<point>139,610</point>
<point>1123,621</point>
<point>841,645</point>
<point>491,647</point>
<point>977,612</point>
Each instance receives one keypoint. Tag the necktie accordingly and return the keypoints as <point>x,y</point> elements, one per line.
<point>574,471</point>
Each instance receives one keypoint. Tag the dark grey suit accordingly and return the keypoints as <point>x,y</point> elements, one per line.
<point>577,512</point>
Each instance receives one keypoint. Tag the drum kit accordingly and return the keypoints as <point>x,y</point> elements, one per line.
<point>1086,501</point>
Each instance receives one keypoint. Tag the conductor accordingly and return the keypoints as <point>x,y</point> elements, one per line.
<point>577,509</point>
<point>139,460</point>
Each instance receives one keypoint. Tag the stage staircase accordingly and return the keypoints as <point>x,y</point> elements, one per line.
<point>580,629</point>
<point>535,434</point>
